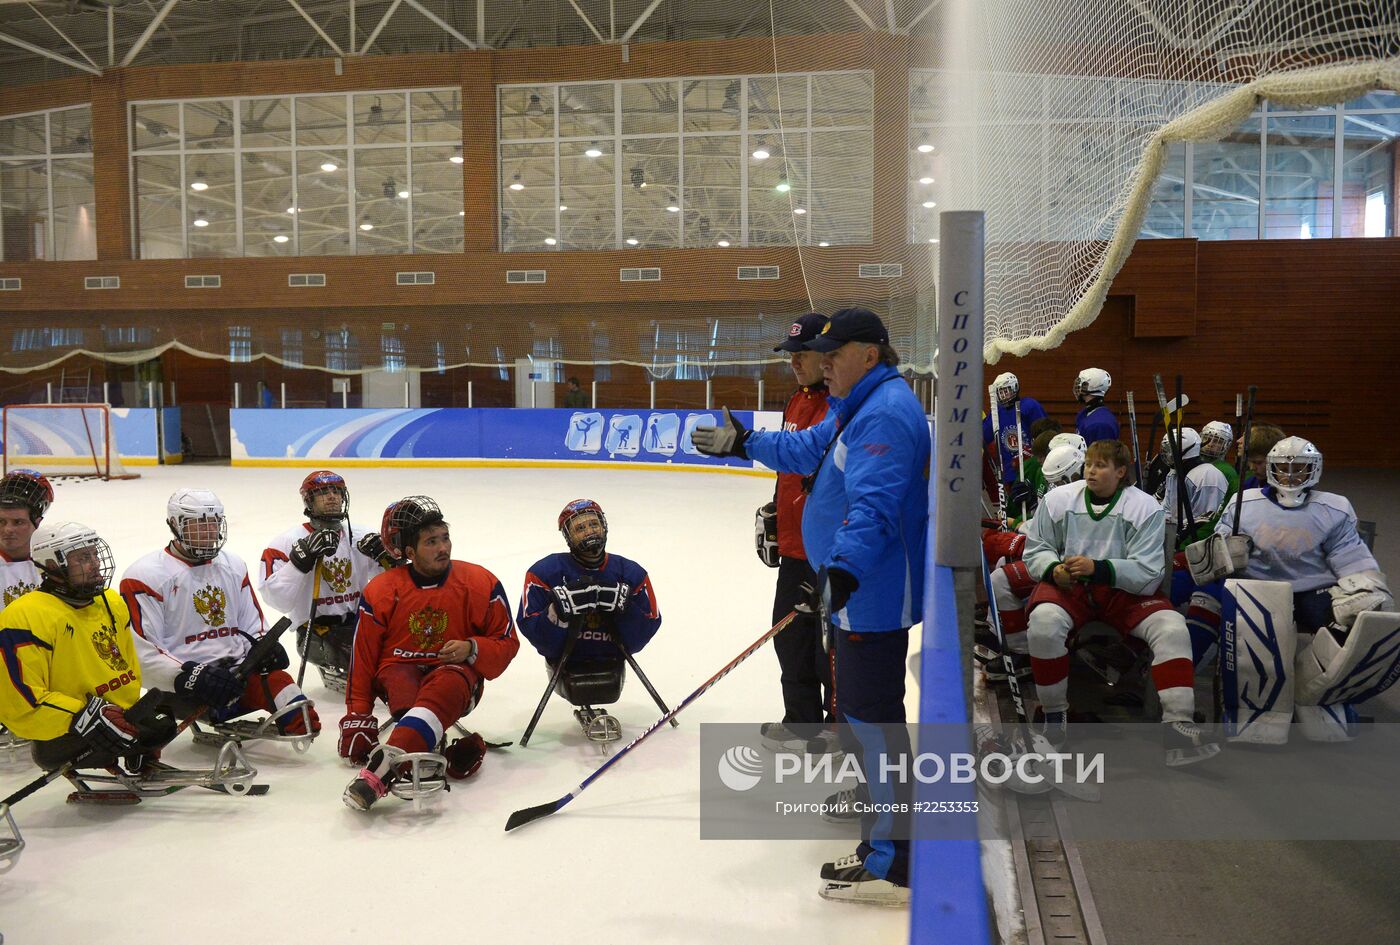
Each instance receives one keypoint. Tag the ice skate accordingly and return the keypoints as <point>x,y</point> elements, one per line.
<point>273,727</point>
<point>598,726</point>
<point>847,880</point>
<point>231,774</point>
<point>1187,744</point>
<point>840,808</point>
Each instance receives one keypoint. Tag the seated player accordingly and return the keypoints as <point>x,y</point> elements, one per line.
<point>588,608</point>
<point>25,495</point>
<point>1262,438</point>
<point>1007,391</point>
<point>1206,487</point>
<point>1011,582</point>
<point>315,571</point>
<point>1095,420</point>
<point>431,632</point>
<point>1096,548</point>
<point>1305,542</point>
<point>1216,439</point>
<point>1023,495</point>
<point>196,616</point>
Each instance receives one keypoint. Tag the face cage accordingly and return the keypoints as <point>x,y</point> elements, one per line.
<point>308,500</point>
<point>1309,471</point>
<point>581,547</point>
<point>106,567</point>
<point>23,491</point>
<point>1007,395</point>
<point>1214,446</point>
<point>200,549</point>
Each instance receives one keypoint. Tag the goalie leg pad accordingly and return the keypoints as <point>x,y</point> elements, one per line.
<point>1327,723</point>
<point>1257,647</point>
<point>1350,666</point>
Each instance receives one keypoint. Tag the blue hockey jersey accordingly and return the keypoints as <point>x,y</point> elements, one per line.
<point>1031,411</point>
<point>539,623</point>
<point>1093,423</point>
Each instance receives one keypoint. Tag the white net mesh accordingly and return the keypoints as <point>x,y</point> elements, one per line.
<point>1055,119</point>
<point>61,440</point>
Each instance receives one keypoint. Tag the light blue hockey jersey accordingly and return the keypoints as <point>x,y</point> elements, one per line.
<point>1309,547</point>
<point>1130,535</point>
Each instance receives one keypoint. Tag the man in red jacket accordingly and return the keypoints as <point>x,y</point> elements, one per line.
<point>431,631</point>
<point>805,667</point>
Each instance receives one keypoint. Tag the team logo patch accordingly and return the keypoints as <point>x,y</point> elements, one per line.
<point>337,572</point>
<point>104,641</point>
<point>17,591</point>
<point>428,626</point>
<point>795,330</point>
<point>212,604</point>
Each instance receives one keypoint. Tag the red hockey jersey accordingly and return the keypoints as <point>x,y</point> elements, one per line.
<point>805,408</point>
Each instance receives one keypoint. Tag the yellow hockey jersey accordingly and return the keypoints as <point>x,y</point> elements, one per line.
<point>54,656</point>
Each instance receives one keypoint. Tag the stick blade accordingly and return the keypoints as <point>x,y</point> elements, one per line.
<point>530,814</point>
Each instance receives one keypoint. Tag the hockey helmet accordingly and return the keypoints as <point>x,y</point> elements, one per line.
<point>196,519</point>
<point>1006,389</point>
<point>1091,382</point>
<point>73,559</point>
<point>404,520</point>
<point>1216,438</point>
<point>1294,467</point>
<point>318,483</point>
<point>1063,465</point>
<point>28,489</point>
<point>589,546</point>
<point>1072,440</point>
<point>1190,443</point>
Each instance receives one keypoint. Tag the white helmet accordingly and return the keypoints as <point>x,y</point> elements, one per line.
<point>1073,440</point>
<point>1063,465</point>
<point>57,548</point>
<point>1006,389</point>
<point>1294,467</point>
<point>1093,382</point>
<point>1190,444</point>
<point>1216,438</point>
<point>196,519</point>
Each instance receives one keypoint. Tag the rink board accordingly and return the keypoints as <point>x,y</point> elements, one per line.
<point>56,438</point>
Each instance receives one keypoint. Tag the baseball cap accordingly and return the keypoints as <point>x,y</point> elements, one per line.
<point>802,331</point>
<point>850,324</point>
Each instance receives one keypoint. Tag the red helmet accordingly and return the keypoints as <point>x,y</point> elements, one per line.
<point>404,519</point>
<point>26,488</point>
<point>323,480</point>
<point>592,547</point>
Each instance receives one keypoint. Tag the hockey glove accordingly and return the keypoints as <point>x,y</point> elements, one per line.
<point>314,547</point>
<point>464,756</point>
<point>575,598</point>
<point>212,684</point>
<point>1357,593</point>
<point>276,659</point>
<point>724,440</point>
<point>1218,557</point>
<point>371,546</point>
<point>359,733</point>
<point>612,595</point>
<point>1020,496</point>
<point>104,728</point>
<point>831,591</point>
<point>765,534</point>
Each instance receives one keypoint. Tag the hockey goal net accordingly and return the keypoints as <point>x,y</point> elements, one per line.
<point>62,440</point>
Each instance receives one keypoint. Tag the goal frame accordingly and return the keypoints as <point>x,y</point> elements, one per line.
<point>106,459</point>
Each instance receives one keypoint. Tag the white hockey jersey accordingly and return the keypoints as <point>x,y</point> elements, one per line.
<point>1309,547</point>
<point>1206,487</point>
<point>1128,534</point>
<point>17,578</point>
<point>337,580</point>
<point>182,611</point>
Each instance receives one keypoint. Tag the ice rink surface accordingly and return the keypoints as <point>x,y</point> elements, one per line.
<point>622,863</point>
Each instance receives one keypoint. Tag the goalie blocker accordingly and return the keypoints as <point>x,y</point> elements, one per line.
<point>1269,676</point>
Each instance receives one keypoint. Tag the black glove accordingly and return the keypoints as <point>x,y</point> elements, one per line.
<point>831,590</point>
<point>276,659</point>
<point>371,546</point>
<point>724,440</point>
<point>104,728</point>
<point>1156,474</point>
<point>314,547</point>
<point>611,595</point>
<point>575,598</point>
<point>213,684</point>
<point>765,534</point>
<point>1019,495</point>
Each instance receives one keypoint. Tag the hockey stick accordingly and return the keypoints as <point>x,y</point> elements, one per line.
<point>569,641</point>
<point>1174,443</point>
<point>1020,446</point>
<point>655,696</point>
<point>996,454</point>
<point>1242,460</point>
<point>1132,432</point>
<point>526,815</point>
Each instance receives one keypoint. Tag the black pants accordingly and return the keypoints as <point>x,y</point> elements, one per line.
<point>804,664</point>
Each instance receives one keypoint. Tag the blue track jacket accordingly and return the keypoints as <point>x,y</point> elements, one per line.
<point>868,513</point>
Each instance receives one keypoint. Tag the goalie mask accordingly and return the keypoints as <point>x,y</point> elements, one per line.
<point>1073,440</point>
<point>74,560</point>
<point>1062,465</point>
<point>1216,438</point>
<point>1190,443</point>
<point>26,489</point>
<point>585,528</point>
<point>1091,382</point>
<point>1006,389</point>
<point>1294,467</point>
<point>324,498</point>
<point>404,520</point>
<point>196,519</point>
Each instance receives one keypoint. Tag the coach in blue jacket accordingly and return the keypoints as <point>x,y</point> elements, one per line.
<point>864,530</point>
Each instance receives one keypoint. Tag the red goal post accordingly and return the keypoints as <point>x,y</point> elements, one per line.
<point>61,440</point>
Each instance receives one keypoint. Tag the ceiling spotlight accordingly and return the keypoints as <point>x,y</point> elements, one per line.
<point>673,209</point>
<point>760,153</point>
<point>926,181</point>
<point>280,238</point>
<point>367,226</point>
<point>593,150</point>
<point>403,195</point>
<point>516,184</point>
<point>933,239</point>
<point>823,243</point>
<point>723,243</point>
<point>799,210</point>
<point>200,219</point>
<point>783,187</point>
<point>562,207</point>
<point>461,213</point>
<point>291,209</point>
<point>550,241</point>
<point>924,146</point>
<point>199,183</point>
<point>329,166</point>
<point>631,241</point>
<point>929,204</point>
<point>456,157</point>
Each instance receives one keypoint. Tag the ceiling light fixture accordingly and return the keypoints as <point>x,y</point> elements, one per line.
<point>329,166</point>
